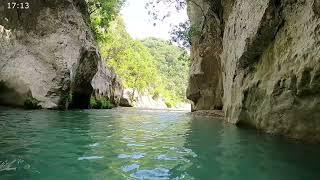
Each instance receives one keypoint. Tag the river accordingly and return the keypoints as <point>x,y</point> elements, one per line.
<point>144,144</point>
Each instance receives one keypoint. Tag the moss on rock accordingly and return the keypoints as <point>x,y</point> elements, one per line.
<point>31,103</point>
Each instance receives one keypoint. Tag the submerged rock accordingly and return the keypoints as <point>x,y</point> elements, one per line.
<point>48,53</point>
<point>270,65</point>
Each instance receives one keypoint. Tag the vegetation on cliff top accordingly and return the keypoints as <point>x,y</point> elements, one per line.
<point>151,66</point>
<point>182,33</point>
<point>173,64</point>
<point>102,12</point>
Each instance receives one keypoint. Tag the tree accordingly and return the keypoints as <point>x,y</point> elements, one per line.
<point>152,66</point>
<point>173,64</point>
<point>131,60</point>
<point>180,34</point>
<point>102,12</point>
<point>183,33</point>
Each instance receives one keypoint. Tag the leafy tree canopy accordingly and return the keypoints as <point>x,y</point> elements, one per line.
<point>152,66</point>
<point>130,58</point>
<point>173,63</point>
<point>102,12</point>
<point>180,34</point>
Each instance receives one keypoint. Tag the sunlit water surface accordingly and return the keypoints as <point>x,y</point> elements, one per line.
<point>144,144</point>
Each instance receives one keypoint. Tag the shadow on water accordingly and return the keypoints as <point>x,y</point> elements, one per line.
<point>228,152</point>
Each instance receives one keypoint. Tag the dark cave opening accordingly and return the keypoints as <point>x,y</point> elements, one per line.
<point>81,88</point>
<point>80,100</point>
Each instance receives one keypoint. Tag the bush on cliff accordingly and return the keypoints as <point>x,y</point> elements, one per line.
<point>101,103</point>
<point>31,103</point>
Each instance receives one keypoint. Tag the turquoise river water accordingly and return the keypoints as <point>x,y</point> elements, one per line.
<point>144,144</point>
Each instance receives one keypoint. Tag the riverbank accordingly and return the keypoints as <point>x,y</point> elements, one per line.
<point>209,113</point>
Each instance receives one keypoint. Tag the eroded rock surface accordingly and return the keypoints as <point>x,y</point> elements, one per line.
<point>131,98</point>
<point>47,53</point>
<point>205,83</point>
<point>270,64</point>
<point>107,84</point>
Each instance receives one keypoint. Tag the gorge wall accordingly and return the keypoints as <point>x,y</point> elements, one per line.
<point>205,83</point>
<point>48,56</point>
<point>261,61</point>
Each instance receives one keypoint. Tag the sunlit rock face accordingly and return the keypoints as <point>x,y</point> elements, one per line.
<point>107,84</point>
<point>49,55</point>
<point>134,98</point>
<point>270,64</point>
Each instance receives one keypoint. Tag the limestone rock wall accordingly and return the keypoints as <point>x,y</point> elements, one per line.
<point>205,82</point>
<point>134,98</point>
<point>107,84</point>
<point>270,64</point>
<point>47,53</point>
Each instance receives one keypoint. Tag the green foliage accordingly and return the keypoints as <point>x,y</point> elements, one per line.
<point>102,12</point>
<point>65,100</point>
<point>181,34</point>
<point>151,66</point>
<point>173,64</point>
<point>101,103</point>
<point>31,103</point>
<point>130,59</point>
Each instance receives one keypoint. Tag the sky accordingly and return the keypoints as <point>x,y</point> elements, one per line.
<point>140,25</point>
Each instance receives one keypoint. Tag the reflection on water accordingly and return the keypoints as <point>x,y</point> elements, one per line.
<point>144,144</point>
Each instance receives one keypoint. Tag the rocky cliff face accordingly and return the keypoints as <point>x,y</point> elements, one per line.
<point>205,83</point>
<point>131,98</point>
<point>107,84</point>
<point>48,54</point>
<point>270,64</point>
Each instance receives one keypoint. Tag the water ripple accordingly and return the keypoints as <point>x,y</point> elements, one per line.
<point>134,144</point>
<point>133,156</point>
<point>157,173</point>
<point>165,157</point>
<point>94,145</point>
<point>130,167</point>
<point>89,158</point>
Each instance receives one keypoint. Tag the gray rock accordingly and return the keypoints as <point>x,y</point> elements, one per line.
<point>270,66</point>
<point>47,53</point>
<point>127,98</point>
<point>131,98</point>
<point>107,84</point>
<point>205,82</point>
